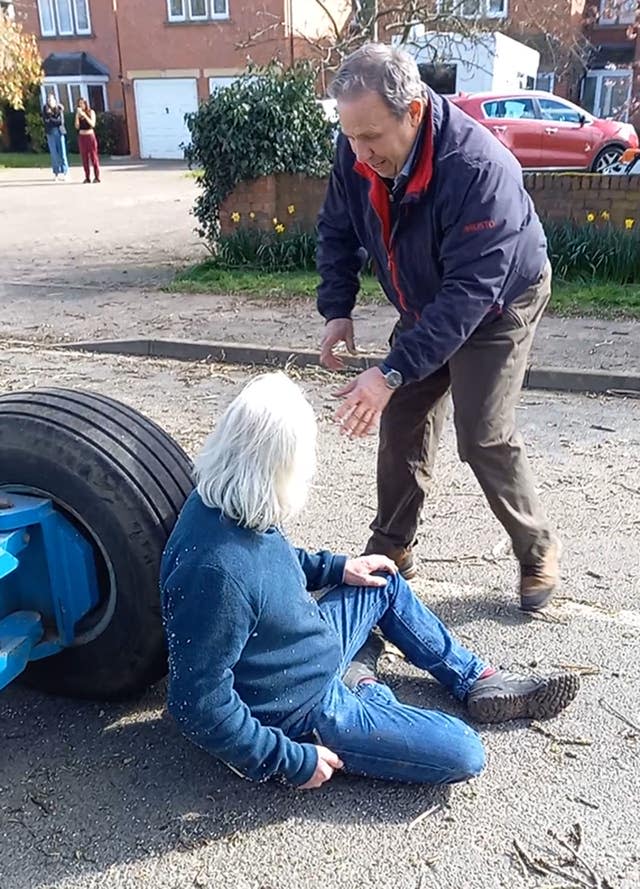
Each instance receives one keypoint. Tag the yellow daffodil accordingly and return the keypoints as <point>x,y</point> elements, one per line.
<point>291,209</point>
<point>279,228</point>
<point>275,220</point>
<point>252,215</point>
<point>591,217</point>
<point>629,223</point>
<point>605,215</point>
<point>235,217</point>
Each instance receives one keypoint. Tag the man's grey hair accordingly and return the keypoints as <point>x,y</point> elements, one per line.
<point>377,68</point>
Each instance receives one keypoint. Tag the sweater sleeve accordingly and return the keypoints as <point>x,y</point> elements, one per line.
<point>208,621</point>
<point>476,252</point>
<point>321,569</point>
<point>338,253</point>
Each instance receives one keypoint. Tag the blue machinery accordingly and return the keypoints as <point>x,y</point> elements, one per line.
<point>48,582</point>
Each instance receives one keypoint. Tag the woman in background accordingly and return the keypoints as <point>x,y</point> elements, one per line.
<point>87,142</point>
<point>53,117</point>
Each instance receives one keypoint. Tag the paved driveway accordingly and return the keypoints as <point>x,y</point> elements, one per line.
<point>112,797</point>
<point>129,229</point>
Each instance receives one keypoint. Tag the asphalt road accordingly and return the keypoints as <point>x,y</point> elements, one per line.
<point>111,796</point>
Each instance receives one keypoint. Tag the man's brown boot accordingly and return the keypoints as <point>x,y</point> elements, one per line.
<point>401,555</point>
<point>538,582</point>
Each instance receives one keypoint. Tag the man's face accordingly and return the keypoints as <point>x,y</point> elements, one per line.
<point>377,137</point>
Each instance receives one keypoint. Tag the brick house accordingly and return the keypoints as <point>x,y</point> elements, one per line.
<point>611,87</point>
<point>153,60</point>
<point>588,53</point>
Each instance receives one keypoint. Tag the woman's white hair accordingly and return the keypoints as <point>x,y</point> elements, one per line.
<point>257,464</point>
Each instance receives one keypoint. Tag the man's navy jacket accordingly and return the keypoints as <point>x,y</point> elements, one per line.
<point>461,245</point>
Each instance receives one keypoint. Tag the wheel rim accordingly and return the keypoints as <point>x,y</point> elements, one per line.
<point>99,618</point>
<point>608,157</point>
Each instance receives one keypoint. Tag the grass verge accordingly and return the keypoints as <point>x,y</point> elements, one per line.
<point>570,298</point>
<point>32,160</point>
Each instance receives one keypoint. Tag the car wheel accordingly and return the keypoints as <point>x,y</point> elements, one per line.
<point>121,481</point>
<point>608,156</point>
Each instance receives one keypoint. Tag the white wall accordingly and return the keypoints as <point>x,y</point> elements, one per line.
<point>485,62</point>
<point>513,63</point>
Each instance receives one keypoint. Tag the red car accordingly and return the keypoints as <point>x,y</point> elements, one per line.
<point>546,132</point>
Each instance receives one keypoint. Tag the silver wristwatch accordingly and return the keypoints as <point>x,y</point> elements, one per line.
<point>393,378</point>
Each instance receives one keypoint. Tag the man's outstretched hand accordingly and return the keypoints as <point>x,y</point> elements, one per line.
<point>364,400</point>
<point>359,572</point>
<point>328,762</point>
<point>339,330</point>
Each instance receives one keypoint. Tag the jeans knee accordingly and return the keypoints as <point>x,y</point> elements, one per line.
<point>472,758</point>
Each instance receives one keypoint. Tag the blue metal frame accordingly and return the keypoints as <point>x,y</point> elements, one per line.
<point>48,582</point>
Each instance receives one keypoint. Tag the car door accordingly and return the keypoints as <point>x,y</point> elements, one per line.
<point>514,120</point>
<point>568,135</point>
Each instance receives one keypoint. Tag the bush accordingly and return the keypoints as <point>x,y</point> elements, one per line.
<point>34,124</point>
<point>268,121</point>
<point>266,251</point>
<point>110,133</point>
<point>594,252</point>
<point>578,252</point>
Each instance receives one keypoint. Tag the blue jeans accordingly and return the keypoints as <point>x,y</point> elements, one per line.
<point>58,151</point>
<point>373,732</point>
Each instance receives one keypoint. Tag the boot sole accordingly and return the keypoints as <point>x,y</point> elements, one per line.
<point>552,696</point>
<point>536,601</point>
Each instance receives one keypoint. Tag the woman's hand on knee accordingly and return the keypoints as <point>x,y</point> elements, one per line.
<point>328,762</point>
<point>359,572</point>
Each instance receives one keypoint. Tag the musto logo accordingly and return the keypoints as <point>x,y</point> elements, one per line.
<point>479,226</point>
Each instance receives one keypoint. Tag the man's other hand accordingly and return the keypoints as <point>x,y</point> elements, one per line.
<point>327,764</point>
<point>339,330</point>
<point>359,572</point>
<point>364,400</point>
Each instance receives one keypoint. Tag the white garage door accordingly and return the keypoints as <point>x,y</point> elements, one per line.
<point>161,105</point>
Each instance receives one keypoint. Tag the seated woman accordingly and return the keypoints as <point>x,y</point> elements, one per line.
<point>274,683</point>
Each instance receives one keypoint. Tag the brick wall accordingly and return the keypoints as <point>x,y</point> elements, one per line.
<point>556,196</point>
<point>573,197</point>
<point>271,197</point>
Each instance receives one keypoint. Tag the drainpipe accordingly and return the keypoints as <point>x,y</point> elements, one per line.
<point>291,41</point>
<point>120,69</point>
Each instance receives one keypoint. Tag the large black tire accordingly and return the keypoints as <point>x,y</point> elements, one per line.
<point>122,480</point>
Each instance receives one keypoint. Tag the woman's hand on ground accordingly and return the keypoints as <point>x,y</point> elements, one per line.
<point>328,762</point>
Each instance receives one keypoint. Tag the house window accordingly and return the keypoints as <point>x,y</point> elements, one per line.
<point>68,90</point>
<point>606,92</point>
<point>474,9</point>
<point>64,18</point>
<point>617,12</point>
<point>197,10</point>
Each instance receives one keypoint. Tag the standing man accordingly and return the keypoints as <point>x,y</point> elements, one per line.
<point>440,206</point>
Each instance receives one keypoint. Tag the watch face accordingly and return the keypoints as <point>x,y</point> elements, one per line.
<point>394,379</point>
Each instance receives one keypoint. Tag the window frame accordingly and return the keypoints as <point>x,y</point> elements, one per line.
<point>55,84</point>
<point>53,6</point>
<point>187,15</point>
<point>456,7</point>
<point>617,20</point>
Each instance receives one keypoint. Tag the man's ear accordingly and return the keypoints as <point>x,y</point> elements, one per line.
<point>416,109</point>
